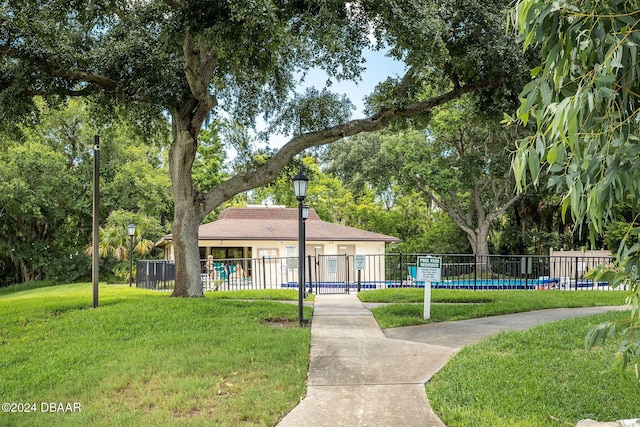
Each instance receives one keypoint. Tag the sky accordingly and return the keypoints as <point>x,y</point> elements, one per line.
<point>377,68</point>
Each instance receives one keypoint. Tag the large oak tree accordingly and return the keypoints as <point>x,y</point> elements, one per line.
<point>192,59</point>
<point>460,163</point>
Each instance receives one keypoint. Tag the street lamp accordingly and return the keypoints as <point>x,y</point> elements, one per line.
<point>131,229</point>
<point>300,183</point>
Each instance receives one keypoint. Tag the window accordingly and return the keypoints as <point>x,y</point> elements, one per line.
<point>268,253</point>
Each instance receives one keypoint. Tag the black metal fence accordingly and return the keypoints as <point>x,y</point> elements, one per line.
<point>346,273</point>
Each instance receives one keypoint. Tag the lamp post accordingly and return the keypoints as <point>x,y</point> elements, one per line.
<point>131,229</point>
<point>300,183</point>
<point>305,215</point>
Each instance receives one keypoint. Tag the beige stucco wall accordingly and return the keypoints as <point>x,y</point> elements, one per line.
<point>271,267</point>
<point>289,248</point>
<point>594,253</point>
<point>575,264</point>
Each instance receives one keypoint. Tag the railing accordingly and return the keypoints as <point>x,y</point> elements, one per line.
<point>336,273</point>
<point>158,275</point>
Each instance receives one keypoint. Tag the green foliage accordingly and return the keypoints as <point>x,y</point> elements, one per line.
<point>460,163</point>
<point>40,214</point>
<point>617,235</point>
<point>534,226</point>
<point>115,240</point>
<point>208,164</point>
<point>421,229</point>
<point>585,100</point>
<point>45,179</point>
<point>312,111</point>
<point>240,61</point>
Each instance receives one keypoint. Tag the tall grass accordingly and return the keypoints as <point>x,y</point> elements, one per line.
<point>143,358</point>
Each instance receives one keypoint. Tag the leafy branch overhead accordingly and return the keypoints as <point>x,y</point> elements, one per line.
<point>585,103</point>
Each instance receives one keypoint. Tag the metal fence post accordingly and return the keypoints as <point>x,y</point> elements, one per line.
<point>310,274</point>
<point>475,271</point>
<point>400,272</point>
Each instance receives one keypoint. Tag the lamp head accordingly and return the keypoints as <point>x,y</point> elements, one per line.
<point>131,229</point>
<point>300,183</point>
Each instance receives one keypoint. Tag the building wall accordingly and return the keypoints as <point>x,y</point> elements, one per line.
<point>575,264</point>
<point>282,249</point>
<point>268,263</point>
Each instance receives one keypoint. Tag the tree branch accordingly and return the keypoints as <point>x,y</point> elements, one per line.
<point>81,76</point>
<point>173,4</point>
<point>403,87</point>
<point>53,71</point>
<point>270,170</point>
<point>199,66</point>
<point>463,223</point>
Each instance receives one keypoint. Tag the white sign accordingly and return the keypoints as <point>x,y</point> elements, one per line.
<point>332,265</point>
<point>428,270</point>
<point>359,262</point>
<point>292,263</point>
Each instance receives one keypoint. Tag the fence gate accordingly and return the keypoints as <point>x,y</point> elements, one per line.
<point>330,274</point>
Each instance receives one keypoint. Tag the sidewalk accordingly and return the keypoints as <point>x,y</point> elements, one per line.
<point>358,376</point>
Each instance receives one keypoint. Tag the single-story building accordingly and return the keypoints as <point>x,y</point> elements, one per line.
<point>270,233</point>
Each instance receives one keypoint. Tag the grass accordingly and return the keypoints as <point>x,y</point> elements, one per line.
<point>406,306</point>
<point>143,358</point>
<point>267,294</point>
<point>536,378</point>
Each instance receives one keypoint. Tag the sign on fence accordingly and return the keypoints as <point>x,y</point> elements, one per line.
<point>428,270</point>
<point>332,265</point>
<point>292,260</point>
<point>359,262</point>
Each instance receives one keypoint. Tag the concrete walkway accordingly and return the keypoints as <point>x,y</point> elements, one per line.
<point>358,376</point>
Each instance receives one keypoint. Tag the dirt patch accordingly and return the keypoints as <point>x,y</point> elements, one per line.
<point>278,322</point>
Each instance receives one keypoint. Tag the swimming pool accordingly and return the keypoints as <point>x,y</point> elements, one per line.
<point>538,283</point>
<point>493,283</point>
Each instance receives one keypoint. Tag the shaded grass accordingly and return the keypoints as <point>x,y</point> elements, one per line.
<point>267,294</point>
<point>143,358</point>
<point>539,377</point>
<point>34,284</point>
<point>406,306</point>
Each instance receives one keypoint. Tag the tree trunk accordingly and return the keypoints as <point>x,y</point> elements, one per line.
<point>187,254</point>
<point>479,241</point>
<point>187,209</point>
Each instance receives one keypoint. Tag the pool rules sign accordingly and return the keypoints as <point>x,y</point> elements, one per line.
<point>428,270</point>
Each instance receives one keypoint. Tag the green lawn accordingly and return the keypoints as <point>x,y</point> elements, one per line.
<point>406,306</point>
<point>142,358</point>
<point>145,359</point>
<point>536,378</point>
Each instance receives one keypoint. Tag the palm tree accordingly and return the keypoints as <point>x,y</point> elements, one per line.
<point>114,237</point>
